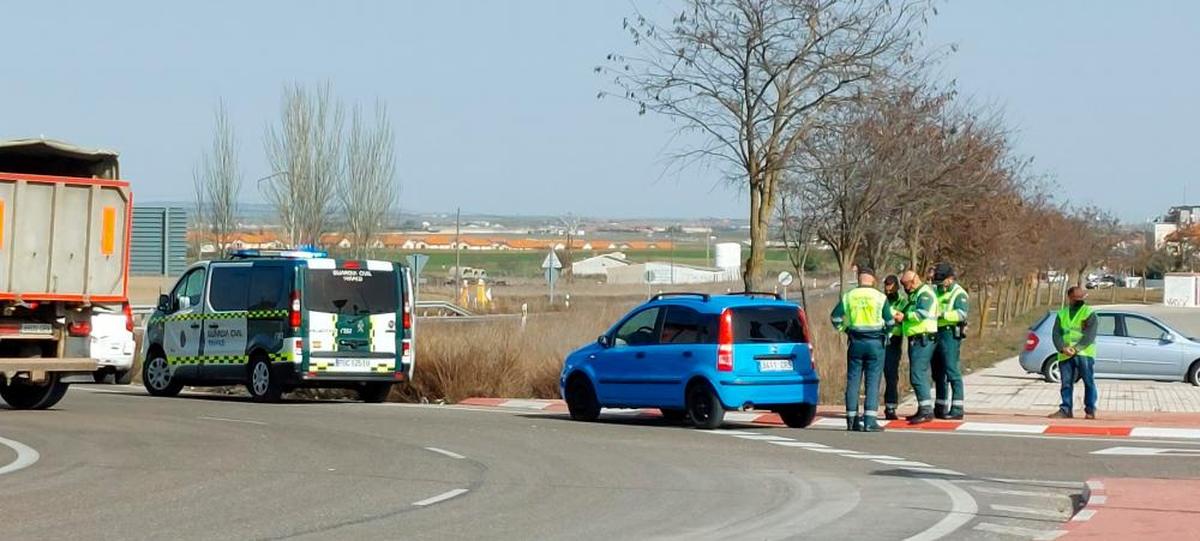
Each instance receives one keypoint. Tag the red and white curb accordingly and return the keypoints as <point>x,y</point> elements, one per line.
<point>772,419</point>
<point>1095,497</point>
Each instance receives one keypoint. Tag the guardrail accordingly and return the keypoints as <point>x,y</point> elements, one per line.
<point>441,310</point>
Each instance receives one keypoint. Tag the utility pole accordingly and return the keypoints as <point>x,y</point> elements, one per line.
<point>457,254</point>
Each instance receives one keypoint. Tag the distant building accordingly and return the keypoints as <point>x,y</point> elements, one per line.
<point>664,273</point>
<point>1176,217</point>
<point>599,266</point>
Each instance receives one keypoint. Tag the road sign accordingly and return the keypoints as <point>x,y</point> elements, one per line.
<point>649,277</point>
<point>785,278</point>
<point>552,278</point>
<point>551,261</point>
<point>417,263</point>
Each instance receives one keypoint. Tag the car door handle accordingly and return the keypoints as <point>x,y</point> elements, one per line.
<point>640,355</point>
<point>1132,343</point>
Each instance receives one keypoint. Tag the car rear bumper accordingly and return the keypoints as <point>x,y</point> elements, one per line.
<point>738,392</point>
<point>120,362</point>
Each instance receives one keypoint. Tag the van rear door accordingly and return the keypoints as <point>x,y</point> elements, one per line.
<point>352,310</point>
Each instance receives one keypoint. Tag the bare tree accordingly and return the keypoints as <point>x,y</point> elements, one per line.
<point>217,180</point>
<point>368,190</point>
<point>305,150</point>
<point>751,76</point>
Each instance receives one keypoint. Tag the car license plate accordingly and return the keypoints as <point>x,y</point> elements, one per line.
<point>352,363</point>
<point>36,328</point>
<point>774,365</point>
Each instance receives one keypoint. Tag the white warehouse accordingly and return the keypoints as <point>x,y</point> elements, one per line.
<point>598,266</point>
<point>664,272</point>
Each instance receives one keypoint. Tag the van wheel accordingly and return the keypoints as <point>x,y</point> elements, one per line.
<point>1193,375</point>
<point>264,384</point>
<point>581,399</point>
<point>705,407</point>
<point>374,393</point>
<point>157,377</point>
<point>799,416</point>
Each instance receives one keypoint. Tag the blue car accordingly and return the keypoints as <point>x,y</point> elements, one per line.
<point>697,356</point>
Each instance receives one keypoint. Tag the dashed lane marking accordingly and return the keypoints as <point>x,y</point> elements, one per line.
<point>876,457</point>
<point>762,437</point>
<point>444,452</point>
<point>441,497</point>
<point>26,456</point>
<point>801,444</point>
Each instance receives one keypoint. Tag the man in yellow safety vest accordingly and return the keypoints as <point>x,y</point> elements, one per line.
<point>866,317</point>
<point>1075,340</point>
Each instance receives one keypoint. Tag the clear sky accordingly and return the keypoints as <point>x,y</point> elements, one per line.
<point>495,107</point>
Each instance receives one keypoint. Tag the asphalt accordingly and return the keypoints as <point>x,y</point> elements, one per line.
<point>116,464</point>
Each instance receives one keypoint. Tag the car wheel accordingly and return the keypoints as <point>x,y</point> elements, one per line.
<point>264,384</point>
<point>1050,370</point>
<point>674,416</point>
<point>374,393</point>
<point>157,377</point>
<point>800,416</point>
<point>123,377</point>
<point>1193,375</point>
<point>100,376</point>
<point>705,407</point>
<point>21,394</point>
<point>581,399</point>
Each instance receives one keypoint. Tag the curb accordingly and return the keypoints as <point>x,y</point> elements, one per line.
<point>1094,497</point>
<point>772,419</point>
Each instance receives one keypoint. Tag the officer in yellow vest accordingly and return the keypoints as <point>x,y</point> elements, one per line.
<point>866,317</point>
<point>1075,339</point>
<point>894,348</point>
<point>920,329</point>
<point>952,321</point>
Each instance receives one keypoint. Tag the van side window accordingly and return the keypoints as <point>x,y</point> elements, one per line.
<point>229,285</point>
<point>191,287</point>
<point>267,289</point>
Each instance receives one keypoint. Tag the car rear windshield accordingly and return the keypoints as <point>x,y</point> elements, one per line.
<point>767,325</point>
<point>351,292</point>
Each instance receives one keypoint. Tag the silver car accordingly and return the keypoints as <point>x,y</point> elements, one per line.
<point>1129,345</point>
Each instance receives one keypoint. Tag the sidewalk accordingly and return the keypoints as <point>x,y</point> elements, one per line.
<point>1006,386</point>
<point>1165,509</point>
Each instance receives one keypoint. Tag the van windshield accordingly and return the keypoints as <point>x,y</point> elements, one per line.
<point>351,292</point>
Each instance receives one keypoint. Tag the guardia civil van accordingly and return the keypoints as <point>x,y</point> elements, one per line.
<point>276,321</point>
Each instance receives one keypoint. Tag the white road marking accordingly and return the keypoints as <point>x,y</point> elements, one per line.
<point>876,457</point>
<point>1147,451</point>
<point>1098,500</point>
<point>441,497</point>
<point>1095,485</point>
<point>525,404</point>
<point>1027,511</point>
<point>1027,533</point>
<point>829,422</point>
<point>1059,484</point>
<point>904,463</point>
<point>450,454</point>
<point>801,444</point>
<point>1021,493</point>
<point>829,450</point>
<point>26,456</point>
<point>727,432</point>
<point>1084,515</point>
<point>762,437</point>
<point>963,509</point>
<point>1151,432</point>
<point>1004,428</point>
<point>223,419</point>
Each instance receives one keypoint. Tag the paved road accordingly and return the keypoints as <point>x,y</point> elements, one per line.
<point>115,464</point>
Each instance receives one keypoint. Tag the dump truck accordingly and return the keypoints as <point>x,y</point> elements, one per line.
<point>65,222</point>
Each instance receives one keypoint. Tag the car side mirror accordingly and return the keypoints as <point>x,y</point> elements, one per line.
<point>164,303</point>
<point>1167,338</point>
<point>604,341</point>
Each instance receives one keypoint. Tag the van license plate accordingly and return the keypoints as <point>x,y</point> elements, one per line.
<point>36,328</point>
<point>774,365</point>
<point>352,363</point>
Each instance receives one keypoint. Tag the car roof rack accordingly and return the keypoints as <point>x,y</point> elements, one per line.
<point>758,294</point>
<point>703,296</point>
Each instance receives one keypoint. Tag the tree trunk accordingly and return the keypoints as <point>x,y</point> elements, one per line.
<point>1144,301</point>
<point>984,306</point>
<point>760,223</point>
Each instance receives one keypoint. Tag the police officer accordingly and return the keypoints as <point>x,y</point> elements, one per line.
<point>952,322</point>
<point>894,349</point>
<point>920,329</point>
<point>866,317</point>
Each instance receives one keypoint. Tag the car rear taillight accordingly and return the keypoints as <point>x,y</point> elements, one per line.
<point>294,316</point>
<point>1031,342</point>
<point>725,342</point>
<point>406,318</point>
<point>128,317</point>
<point>80,328</point>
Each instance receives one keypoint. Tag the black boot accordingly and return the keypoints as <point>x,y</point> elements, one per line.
<point>956,414</point>
<point>939,411</point>
<point>890,414</point>
<point>924,415</point>
<point>852,423</point>
<point>872,425</point>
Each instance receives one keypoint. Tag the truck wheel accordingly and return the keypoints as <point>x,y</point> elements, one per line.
<point>25,395</point>
<point>157,377</point>
<point>374,393</point>
<point>264,384</point>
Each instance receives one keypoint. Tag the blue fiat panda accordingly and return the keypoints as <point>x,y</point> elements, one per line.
<point>695,356</point>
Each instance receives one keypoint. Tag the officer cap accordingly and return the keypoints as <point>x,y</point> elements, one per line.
<point>942,271</point>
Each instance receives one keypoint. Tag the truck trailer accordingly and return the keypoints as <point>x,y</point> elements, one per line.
<point>65,222</point>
